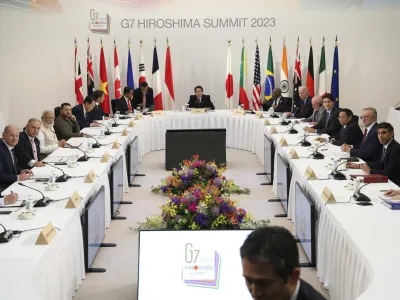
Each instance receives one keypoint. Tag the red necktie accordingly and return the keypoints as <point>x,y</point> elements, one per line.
<point>365,135</point>
<point>129,105</point>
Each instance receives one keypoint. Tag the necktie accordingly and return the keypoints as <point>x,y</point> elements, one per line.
<point>383,154</point>
<point>34,150</point>
<point>198,102</point>
<point>129,104</point>
<point>302,104</point>
<point>144,100</point>
<point>364,136</point>
<point>14,160</point>
<point>85,116</point>
<point>328,114</point>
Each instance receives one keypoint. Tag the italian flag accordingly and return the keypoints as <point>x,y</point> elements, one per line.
<point>322,72</point>
<point>243,77</point>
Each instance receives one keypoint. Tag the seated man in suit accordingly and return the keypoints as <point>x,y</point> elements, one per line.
<point>47,136</point>
<point>278,103</point>
<point>28,148</point>
<point>82,113</point>
<point>270,262</point>
<point>304,108</point>
<point>370,149</point>
<point>9,199</point>
<point>199,100</point>
<point>350,133</point>
<point>97,112</point>
<point>329,122</point>
<point>125,103</point>
<point>389,163</point>
<point>317,105</point>
<point>143,97</point>
<point>66,126</point>
<point>9,168</point>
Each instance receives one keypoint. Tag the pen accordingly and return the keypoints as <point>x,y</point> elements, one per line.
<point>384,190</point>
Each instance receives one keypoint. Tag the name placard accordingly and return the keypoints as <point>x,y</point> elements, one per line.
<point>125,132</point>
<point>139,116</point>
<point>283,142</point>
<point>328,196</point>
<point>293,154</point>
<point>273,130</point>
<point>105,158</point>
<point>157,113</point>
<point>198,110</point>
<point>266,122</point>
<point>309,173</point>
<point>239,112</point>
<point>90,177</point>
<point>131,124</point>
<point>73,201</point>
<point>46,235</point>
<point>259,115</point>
<point>115,145</point>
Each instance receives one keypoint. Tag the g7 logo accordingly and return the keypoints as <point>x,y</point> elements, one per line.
<point>93,15</point>
<point>191,255</point>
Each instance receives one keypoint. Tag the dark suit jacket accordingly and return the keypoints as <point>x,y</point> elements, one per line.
<point>351,135</point>
<point>205,102</point>
<point>97,113</point>
<point>83,121</point>
<point>138,98</point>
<point>8,171</point>
<point>122,106</point>
<point>23,150</point>
<point>371,149</point>
<point>307,111</point>
<point>391,163</point>
<point>333,127</point>
<point>307,292</point>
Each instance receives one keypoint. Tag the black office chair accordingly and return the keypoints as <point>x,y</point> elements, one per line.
<point>114,105</point>
<point>57,112</point>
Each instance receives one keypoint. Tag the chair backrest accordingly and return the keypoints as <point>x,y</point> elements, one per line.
<point>57,112</point>
<point>114,105</point>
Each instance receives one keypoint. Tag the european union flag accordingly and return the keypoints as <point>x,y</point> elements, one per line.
<point>129,78</point>
<point>335,75</point>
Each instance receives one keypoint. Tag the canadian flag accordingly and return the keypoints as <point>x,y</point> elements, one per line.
<point>229,79</point>
<point>142,70</point>
<point>78,77</point>
<point>169,82</point>
<point>117,75</point>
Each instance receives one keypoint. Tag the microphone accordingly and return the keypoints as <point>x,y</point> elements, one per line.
<point>339,175</point>
<point>95,145</point>
<point>361,197</point>
<point>292,130</point>
<point>304,142</point>
<point>115,123</point>
<point>44,201</point>
<point>6,235</point>
<point>82,158</point>
<point>319,155</point>
<point>284,122</point>
<point>108,132</point>
<point>63,178</point>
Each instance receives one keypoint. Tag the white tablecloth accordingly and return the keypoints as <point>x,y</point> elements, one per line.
<point>394,119</point>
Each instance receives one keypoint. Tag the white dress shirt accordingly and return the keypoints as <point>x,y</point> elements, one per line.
<point>296,291</point>
<point>32,140</point>
<point>369,128</point>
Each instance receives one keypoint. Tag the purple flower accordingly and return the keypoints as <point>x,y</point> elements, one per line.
<point>217,181</point>
<point>215,210</point>
<point>191,198</point>
<point>225,209</point>
<point>164,189</point>
<point>190,173</point>
<point>200,220</point>
<point>210,168</point>
<point>175,200</point>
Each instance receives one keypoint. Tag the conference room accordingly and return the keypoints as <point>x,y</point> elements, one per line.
<point>185,149</point>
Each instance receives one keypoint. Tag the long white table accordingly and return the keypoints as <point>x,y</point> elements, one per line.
<point>356,247</point>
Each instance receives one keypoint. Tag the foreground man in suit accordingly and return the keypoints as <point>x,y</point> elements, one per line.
<point>278,103</point>
<point>317,105</point>
<point>66,126</point>
<point>82,113</point>
<point>389,163</point>
<point>9,169</point>
<point>199,100</point>
<point>370,149</point>
<point>304,108</point>
<point>143,96</point>
<point>28,148</point>
<point>270,261</point>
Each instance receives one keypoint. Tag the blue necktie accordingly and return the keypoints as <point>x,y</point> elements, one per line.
<point>328,114</point>
<point>383,154</point>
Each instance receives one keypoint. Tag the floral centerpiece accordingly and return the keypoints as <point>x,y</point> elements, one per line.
<point>199,198</point>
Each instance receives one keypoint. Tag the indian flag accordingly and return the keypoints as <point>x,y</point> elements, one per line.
<point>284,73</point>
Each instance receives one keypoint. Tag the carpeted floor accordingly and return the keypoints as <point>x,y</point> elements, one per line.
<point>120,280</point>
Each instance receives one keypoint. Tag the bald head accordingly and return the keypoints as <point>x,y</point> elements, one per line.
<point>303,93</point>
<point>316,102</point>
<point>276,93</point>
<point>11,135</point>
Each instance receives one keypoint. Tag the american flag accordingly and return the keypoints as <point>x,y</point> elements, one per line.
<point>256,82</point>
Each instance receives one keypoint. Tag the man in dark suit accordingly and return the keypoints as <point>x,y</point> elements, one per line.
<point>97,111</point>
<point>278,103</point>
<point>389,163</point>
<point>303,109</point>
<point>9,168</point>
<point>143,96</point>
<point>370,149</point>
<point>28,148</point>
<point>329,122</point>
<point>270,261</point>
<point>317,105</point>
<point>125,103</point>
<point>199,100</point>
<point>83,115</point>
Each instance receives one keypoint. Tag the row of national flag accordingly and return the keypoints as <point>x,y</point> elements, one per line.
<point>256,100</point>
<point>169,102</point>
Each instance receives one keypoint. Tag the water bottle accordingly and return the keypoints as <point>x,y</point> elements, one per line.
<point>28,203</point>
<point>52,178</point>
<point>102,131</point>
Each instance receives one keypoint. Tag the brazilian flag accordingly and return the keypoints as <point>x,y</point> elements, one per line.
<point>269,79</point>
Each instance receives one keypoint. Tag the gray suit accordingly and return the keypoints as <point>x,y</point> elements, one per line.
<point>316,115</point>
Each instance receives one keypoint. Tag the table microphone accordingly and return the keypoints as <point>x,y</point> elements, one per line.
<point>339,175</point>
<point>44,201</point>
<point>304,142</point>
<point>361,197</point>
<point>284,122</point>
<point>95,145</point>
<point>115,123</point>
<point>319,155</point>
<point>63,178</point>
<point>292,130</point>
<point>6,235</point>
<point>108,132</point>
<point>82,158</point>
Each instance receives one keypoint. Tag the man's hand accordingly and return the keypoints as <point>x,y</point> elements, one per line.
<point>309,129</point>
<point>353,166</point>
<point>38,164</point>
<point>289,114</point>
<point>94,124</point>
<point>313,123</point>
<point>72,117</point>
<point>345,148</point>
<point>22,177</point>
<point>397,197</point>
<point>392,193</point>
<point>365,168</point>
<point>27,171</point>
<point>274,106</point>
<point>62,143</point>
<point>321,139</point>
<point>10,199</point>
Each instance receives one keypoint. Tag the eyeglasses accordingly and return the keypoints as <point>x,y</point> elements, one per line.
<point>365,117</point>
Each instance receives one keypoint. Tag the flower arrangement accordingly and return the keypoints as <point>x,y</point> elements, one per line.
<point>199,198</point>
